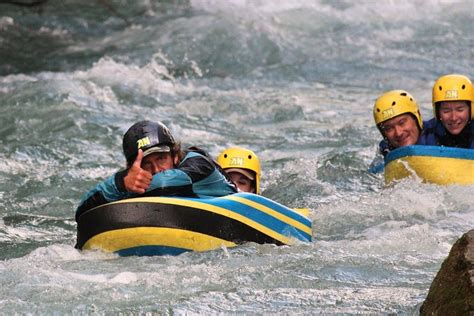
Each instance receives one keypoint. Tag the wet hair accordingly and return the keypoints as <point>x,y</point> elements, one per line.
<point>176,151</point>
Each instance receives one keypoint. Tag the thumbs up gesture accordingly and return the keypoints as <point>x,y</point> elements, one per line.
<point>137,180</point>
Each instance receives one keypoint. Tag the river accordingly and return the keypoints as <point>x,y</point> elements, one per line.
<point>295,81</point>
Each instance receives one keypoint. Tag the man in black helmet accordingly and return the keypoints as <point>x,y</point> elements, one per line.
<point>156,166</point>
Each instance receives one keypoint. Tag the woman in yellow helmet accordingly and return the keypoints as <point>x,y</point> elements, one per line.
<point>398,119</point>
<point>452,107</point>
<point>243,167</point>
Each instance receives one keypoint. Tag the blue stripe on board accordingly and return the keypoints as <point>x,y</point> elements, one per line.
<point>151,251</point>
<point>260,217</point>
<point>433,151</point>
<point>277,207</point>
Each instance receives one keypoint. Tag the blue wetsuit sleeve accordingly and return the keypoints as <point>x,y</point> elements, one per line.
<point>195,176</point>
<point>172,182</point>
<point>384,147</point>
<point>377,168</point>
<point>112,189</point>
<point>179,181</point>
<point>378,164</point>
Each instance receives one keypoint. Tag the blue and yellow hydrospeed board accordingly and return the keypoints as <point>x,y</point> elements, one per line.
<point>432,164</point>
<point>170,226</point>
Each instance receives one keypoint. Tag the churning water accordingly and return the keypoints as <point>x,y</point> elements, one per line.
<point>294,81</point>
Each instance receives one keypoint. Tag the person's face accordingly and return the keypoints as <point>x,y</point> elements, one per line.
<point>242,182</point>
<point>158,162</point>
<point>454,115</point>
<point>401,130</point>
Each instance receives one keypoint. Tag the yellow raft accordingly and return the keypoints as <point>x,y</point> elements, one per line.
<point>432,164</point>
<point>170,226</point>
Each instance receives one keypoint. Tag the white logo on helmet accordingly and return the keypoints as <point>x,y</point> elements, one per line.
<point>451,94</point>
<point>388,113</point>
<point>236,161</point>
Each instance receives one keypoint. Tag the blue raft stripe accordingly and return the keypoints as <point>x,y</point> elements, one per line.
<point>277,207</point>
<point>262,218</point>
<point>151,251</point>
<point>432,151</point>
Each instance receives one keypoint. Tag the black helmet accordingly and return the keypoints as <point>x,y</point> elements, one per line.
<point>149,136</point>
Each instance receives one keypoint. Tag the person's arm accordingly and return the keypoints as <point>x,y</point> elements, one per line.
<point>179,181</point>
<point>119,186</point>
<point>209,180</point>
<point>195,176</point>
<point>172,182</point>
<point>384,147</point>
<point>112,189</point>
<point>377,165</point>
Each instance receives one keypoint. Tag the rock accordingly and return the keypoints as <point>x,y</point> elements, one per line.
<point>452,290</point>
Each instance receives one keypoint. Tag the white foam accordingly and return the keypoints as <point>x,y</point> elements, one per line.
<point>153,78</point>
<point>6,21</point>
<point>355,12</point>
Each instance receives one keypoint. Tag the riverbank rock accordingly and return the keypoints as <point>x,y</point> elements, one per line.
<point>452,290</point>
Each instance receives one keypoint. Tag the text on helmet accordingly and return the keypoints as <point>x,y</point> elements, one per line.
<point>143,142</point>
<point>451,94</point>
<point>237,161</point>
<point>388,113</point>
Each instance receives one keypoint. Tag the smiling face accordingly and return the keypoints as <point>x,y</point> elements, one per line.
<point>401,130</point>
<point>454,115</point>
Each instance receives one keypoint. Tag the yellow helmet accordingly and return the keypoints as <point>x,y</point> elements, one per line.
<point>452,88</point>
<point>243,159</point>
<point>394,103</point>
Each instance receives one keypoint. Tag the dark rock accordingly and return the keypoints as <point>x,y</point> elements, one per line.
<point>452,290</point>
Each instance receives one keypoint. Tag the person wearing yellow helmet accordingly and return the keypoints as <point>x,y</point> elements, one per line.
<point>243,167</point>
<point>452,108</point>
<point>398,118</point>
